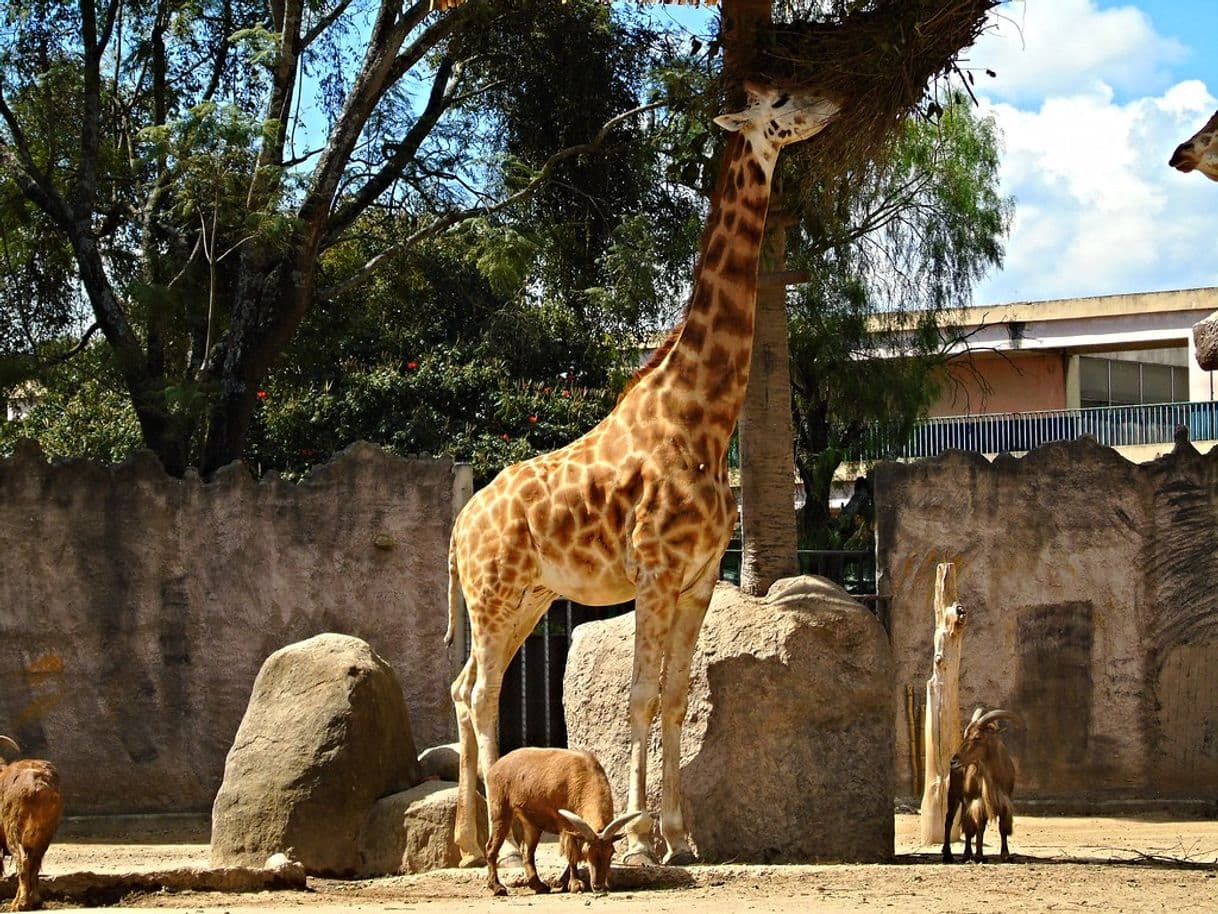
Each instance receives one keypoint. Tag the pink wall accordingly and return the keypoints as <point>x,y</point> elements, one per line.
<point>1020,382</point>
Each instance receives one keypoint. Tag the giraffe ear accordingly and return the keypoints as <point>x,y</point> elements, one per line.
<point>732,122</point>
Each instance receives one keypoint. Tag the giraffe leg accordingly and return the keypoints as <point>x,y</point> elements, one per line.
<point>691,609</point>
<point>465,832</point>
<point>492,652</point>
<point>654,606</point>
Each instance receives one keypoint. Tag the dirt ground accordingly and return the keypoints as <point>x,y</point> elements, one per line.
<point>1134,865</point>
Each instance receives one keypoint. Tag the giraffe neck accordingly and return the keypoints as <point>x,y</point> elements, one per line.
<point>710,356</point>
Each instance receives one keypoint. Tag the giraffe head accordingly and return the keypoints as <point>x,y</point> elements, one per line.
<point>779,117</point>
<point>1199,152</point>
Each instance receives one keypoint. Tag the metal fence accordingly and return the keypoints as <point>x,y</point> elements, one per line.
<point>998,433</point>
<point>530,706</point>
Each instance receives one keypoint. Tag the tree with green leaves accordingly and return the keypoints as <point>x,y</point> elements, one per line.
<point>200,168</point>
<point>889,252</point>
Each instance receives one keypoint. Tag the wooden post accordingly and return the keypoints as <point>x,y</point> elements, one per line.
<point>942,720</point>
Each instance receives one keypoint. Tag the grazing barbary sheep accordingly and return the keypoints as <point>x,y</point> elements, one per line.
<point>563,791</point>
<point>31,805</point>
<point>982,780</point>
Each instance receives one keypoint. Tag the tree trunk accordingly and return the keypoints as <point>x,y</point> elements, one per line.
<point>767,462</point>
<point>942,721</point>
<point>767,436</point>
<point>271,301</point>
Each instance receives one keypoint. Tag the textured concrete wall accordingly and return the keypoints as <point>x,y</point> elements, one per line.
<point>1089,583</point>
<point>136,609</point>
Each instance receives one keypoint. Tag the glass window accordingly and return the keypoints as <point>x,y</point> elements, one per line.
<point>1156,384</point>
<point>1126,386</point>
<point>1093,381</point>
<point>1179,384</point>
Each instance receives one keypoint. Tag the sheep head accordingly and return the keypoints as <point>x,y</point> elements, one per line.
<point>978,731</point>
<point>599,846</point>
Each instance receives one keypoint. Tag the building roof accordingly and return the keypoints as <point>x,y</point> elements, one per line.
<point>1101,322</point>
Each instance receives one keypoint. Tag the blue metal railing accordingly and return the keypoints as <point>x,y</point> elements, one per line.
<point>997,433</point>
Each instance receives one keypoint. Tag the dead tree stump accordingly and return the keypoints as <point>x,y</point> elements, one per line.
<point>941,735</point>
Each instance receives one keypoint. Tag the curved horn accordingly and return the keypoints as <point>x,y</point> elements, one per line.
<point>997,714</point>
<point>609,832</point>
<point>581,828</point>
<point>12,742</point>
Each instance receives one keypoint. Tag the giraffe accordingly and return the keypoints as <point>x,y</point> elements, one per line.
<point>640,506</point>
<point>1200,151</point>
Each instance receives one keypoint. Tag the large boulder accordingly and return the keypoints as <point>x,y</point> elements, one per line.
<point>787,749</point>
<point>412,831</point>
<point>1205,337</point>
<point>326,734</point>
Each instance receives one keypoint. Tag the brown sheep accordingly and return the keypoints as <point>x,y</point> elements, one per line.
<point>563,791</point>
<point>982,779</point>
<point>31,805</point>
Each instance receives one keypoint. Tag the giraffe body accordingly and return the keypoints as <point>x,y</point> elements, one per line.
<point>641,505</point>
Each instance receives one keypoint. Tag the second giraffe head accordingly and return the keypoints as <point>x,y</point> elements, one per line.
<point>781,116</point>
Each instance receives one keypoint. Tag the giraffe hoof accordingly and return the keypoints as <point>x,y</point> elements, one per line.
<point>683,857</point>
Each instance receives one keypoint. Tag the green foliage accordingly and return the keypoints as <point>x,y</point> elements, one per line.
<point>79,411</point>
<point>434,357</point>
<point>893,252</point>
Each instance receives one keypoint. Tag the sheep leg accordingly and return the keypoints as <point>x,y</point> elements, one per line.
<point>572,850</point>
<point>23,900</point>
<point>31,864</point>
<point>980,855</point>
<point>500,825</point>
<point>955,789</point>
<point>531,834</point>
<point>655,601</point>
<point>1005,823</point>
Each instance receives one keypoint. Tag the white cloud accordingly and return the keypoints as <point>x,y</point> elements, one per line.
<point>1062,47</point>
<point>1098,210</point>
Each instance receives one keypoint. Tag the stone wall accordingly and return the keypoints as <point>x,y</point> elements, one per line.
<point>1089,583</point>
<point>136,609</point>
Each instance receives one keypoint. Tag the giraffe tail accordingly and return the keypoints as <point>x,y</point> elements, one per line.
<point>454,595</point>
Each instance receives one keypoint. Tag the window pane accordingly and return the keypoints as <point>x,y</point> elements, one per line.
<point>1125,383</point>
<point>1093,381</point>
<point>1156,383</point>
<point>1180,384</point>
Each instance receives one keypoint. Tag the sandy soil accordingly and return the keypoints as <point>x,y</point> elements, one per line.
<point>1134,865</point>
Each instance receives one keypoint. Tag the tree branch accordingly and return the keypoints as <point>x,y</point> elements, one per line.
<point>450,219</point>
<point>324,23</point>
<point>442,88</point>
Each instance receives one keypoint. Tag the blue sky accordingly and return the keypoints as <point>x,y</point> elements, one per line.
<point>1091,98</point>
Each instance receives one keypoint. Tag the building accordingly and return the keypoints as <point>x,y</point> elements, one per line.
<point>1117,367</point>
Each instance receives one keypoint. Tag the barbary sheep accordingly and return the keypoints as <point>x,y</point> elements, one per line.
<point>982,780</point>
<point>563,791</point>
<point>31,805</point>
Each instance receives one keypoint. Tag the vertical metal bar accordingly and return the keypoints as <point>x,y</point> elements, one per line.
<point>524,692</point>
<point>549,677</point>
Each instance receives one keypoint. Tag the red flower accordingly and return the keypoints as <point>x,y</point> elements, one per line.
<point>505,436</point>
<point>262,395</point>
<point>533,419</point>
<point>566,393</point>
<point>307,452</point>
<point>411,366</point>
